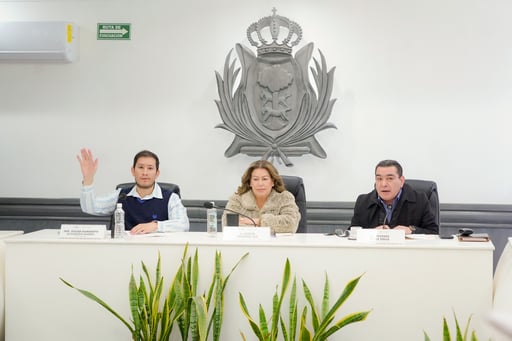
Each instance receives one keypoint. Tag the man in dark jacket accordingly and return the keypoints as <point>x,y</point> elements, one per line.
<point>393,204</point>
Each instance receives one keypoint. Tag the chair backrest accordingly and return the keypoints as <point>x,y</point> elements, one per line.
<point>164,185</point>
<point>295,186</point>
<point>430,189</point>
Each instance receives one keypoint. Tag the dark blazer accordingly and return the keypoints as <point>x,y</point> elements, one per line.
<point>413,208</point>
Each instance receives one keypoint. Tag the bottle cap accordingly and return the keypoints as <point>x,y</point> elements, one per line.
<point>119,205</point>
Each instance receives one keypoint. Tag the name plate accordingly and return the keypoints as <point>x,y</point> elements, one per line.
<point>245,233</point>
<point>381,236</point>
<point>82,231</point>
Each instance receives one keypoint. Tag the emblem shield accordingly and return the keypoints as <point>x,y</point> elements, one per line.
<point>275,110</point>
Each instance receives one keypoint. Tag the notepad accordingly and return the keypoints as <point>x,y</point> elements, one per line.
<point>475,237</point>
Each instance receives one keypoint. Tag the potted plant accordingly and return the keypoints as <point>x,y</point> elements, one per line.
<point>459,334</point>
<point>153,316</point>
<point>323,322</point>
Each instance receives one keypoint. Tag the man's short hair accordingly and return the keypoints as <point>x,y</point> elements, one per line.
<point>146,153</point>
<point>390,163</point>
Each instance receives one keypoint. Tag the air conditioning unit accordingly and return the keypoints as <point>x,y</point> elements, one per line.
<point>38,41</point>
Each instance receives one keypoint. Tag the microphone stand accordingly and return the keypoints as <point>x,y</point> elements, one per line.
<point>208,204</point>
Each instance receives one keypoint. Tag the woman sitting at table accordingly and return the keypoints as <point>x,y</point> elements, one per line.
<point>263,197</point>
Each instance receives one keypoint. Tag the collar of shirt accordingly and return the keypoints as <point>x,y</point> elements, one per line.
<point>157,193</point>
<point>390,208</point>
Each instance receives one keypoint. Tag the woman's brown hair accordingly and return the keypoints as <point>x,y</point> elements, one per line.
<point>274,174</point>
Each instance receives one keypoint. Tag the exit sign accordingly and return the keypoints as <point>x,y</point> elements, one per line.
<point>114,31</point>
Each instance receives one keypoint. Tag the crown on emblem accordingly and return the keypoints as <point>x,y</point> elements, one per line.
<point>280,42</point>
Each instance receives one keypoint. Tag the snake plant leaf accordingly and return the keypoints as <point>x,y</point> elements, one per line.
<point>134,303</point>
<point>193,329</point>
<point>263,319</point>
<point>325,298</point>
<point>218,309</point>
<point>202,317</point>
<point>458,332</point>
<point>254,326</point>
<point>446,331</point>
<point>351,318</point>
<point>96,299</point>
<point>304,333</point>
<point>292,312</point>
<point>278,301</point>
<point>315,319</point>
<point>142,309</point>
<point>284,329</point>
<point>195,273</point>
<point>225,282</point>
<point>466,330</point>
<point>347,291</point>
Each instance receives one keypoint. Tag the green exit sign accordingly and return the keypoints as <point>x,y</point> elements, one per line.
<point>114,31</point>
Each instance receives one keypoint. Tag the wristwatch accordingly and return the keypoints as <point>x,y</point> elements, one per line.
<point>412,228</point>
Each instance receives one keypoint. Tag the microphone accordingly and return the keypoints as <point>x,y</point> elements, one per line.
<point>209,204</point>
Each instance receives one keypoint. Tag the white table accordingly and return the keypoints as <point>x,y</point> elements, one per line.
<point>502,304</point>
<point>409,287</point>
<point>3,235</point>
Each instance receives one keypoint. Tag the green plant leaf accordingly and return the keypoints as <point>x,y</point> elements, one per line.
<point>466,330</point>
<point>134,303</point>
<point>202,317</point>
<point>263,318</point>
<point>346,320</point>
<point>315,319</point>
<point>278,301</point>
<point>225,282</point>
<point>304,333</point>
<point>325,298</point>
<point>96,299</point>
<point>218,307</point>
<point>292,313</point>
<point>254,326</point>
<point>195,274</point>
<point>347,291</point>
<point>458,332</point>
<point>446,331</point>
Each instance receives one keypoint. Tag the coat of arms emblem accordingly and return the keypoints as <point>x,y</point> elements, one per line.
<point>275,112</point>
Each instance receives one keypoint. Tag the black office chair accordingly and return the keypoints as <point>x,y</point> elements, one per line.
<point>295,186</point>
<point>164,185</point>
<point>430,189</point>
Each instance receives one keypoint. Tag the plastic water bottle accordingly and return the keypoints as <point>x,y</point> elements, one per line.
<point>119,221</point>
<point>211,220</point>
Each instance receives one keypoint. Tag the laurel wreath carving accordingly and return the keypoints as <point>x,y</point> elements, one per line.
<point>314,112</point>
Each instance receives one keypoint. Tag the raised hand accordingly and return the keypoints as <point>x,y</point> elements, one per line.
<point>88,165</point>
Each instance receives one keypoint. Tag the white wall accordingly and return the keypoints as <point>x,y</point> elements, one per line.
<point>425,82</point>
